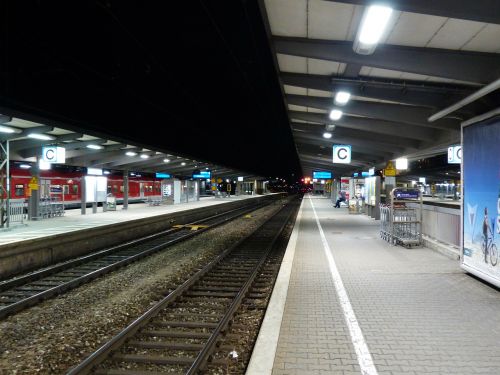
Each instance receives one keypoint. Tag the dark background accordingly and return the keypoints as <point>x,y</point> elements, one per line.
<point>192,77</point>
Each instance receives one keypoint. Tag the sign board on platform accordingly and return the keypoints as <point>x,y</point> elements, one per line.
<point>342,154</point>
<point>455,154</point>
<point>54,154</point>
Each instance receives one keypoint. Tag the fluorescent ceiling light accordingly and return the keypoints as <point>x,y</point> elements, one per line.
<point>25,166</point>
<point>166,160</point>
<point>144,156</point>
<point>342,97</point>
<point>44,165</point>
<point>6,129</point>
<point>335,114</point>
<point>106,172</point>
<point>94,147</point>
<point>43,137</point>
<point>373,25</point>
<point>131,153</point>
<point>327,135</point>
<point>402,163</point>
<point>183,163</point>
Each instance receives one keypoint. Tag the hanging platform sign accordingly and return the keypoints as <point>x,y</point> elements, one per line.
<point>54,154</point>
<point>33,184</point>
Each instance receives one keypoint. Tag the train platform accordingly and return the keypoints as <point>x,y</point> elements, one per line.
<point>73,220</point>
<point>347,302</point>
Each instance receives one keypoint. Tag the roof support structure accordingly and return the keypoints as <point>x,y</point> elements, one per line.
<point>395,91</point>
<point>478,67</point>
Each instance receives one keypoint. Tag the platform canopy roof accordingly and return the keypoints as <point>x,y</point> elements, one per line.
<point>433,54</point>
<point>84,150</point>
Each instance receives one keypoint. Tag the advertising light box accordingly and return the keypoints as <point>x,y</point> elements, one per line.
<point>481,200</point>
<point>162,175</point>
<point>202,174</point>
<point>322,175</point>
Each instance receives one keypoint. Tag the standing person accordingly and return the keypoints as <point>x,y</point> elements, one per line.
<point>486,229</point>
<point>341,198</point>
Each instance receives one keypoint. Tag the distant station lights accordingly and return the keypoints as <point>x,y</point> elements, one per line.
<point>166,160</point>
<point>131,153</point>
<point>144,156</point>
<point>342,97</point>
<point>94,147</point>
<point>327,135</point>
<point>42,137</point>
<point>335,114</point>
<point>373,24</point>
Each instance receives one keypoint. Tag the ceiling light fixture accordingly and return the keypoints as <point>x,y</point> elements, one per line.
<point>327,135</point>
<point>373,25</point>
<point>25,166</point>
<point>144,156</point>
<point>342,97</point>
<point>94,147</point>
<point>183,163</point>
<point>335,114</point>
<point>131,153</point>
<point>43,137</point>
<point>6,129</point>
<point>166,160</point>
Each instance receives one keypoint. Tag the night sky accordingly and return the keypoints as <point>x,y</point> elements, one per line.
<point>196,78</point>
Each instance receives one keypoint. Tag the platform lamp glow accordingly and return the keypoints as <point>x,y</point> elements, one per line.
<point>335,114</point>
<point>342,97</point>
<point>327,135</point>
<point>402,163</point>
<point>373,25</point>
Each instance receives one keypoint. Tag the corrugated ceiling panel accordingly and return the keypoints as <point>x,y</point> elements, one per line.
<point>455,34</point>
<point>386,73</point>
<point>325,94</point>
<point>323,67</point>
<point>414,29</point>
<point>487,40</point>
<point>329,20</point>
<point>295,90</point>
<point>20,123</point>
<point>292,64</point>
<point>293,107</point>
<point>287,17</point>
<point>316,110</point>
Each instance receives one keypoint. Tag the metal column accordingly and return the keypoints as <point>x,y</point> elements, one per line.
<point>125,190</point>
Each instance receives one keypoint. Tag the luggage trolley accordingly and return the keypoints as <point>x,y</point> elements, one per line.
<point>401,220</point>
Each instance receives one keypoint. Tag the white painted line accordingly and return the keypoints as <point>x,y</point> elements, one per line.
<point>364,357</point>
<point>262,360</point>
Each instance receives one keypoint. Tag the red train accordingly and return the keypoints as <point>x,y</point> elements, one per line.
<point>65,184</point>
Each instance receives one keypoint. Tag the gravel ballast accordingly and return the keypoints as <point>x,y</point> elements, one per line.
<point>57,334</point>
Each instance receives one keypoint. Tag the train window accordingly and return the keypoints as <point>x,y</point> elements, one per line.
<point>19,190</point>
<point>75,189</point>
<point>121,188</point>
<point>109,189</point>
<point>115,189</point>
<point>65,189</point>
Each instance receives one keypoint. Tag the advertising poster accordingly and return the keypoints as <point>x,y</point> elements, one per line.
<point>344,186</point>
<point>481,202</point>
<point>370,183</point>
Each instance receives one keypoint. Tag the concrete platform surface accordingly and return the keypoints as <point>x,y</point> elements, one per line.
<point>73,220</point>
<point>356,305</point>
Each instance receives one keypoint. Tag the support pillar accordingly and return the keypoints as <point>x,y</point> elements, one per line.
<point>83,196</point>
<point>125,190</point>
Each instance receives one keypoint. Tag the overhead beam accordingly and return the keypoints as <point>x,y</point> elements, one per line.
<point>478,67</point>
<point>395,91</point>
<point>365,144</point>
<point>362,134</point>
<point>394,113</point>
<point>309,148</point>
<point>327,161</point>
<point>316,141</point>
<point>487,11</point>
<point>32,146</point>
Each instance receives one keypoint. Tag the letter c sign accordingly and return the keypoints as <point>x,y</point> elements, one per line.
<point>342,154</point>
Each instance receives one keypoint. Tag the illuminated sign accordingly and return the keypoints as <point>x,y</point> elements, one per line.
<point>342,154</point>
<point>402,163</point>
<point>371,171</point>
<point>240,178</point>
<point>94,171</point>
<point>53,154</point>
<point>455,154</point>
<point>162,175</point>
<point>322,175</point>
<point>202,174</point>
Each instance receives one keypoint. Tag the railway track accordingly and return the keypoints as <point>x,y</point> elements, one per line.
<point>28,290</point>
<point>192,329</point>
